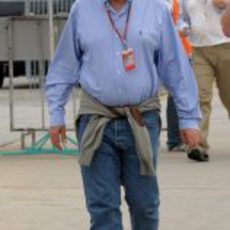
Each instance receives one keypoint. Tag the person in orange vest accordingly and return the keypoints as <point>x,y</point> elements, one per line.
<point>174,141</point>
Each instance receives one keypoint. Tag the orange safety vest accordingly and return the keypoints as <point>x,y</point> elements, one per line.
<point>175,14</point>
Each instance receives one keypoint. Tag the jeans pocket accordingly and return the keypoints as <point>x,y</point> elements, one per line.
<point>80,126</point>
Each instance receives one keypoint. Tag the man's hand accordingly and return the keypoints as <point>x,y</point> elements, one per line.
<point>191,137</point>
<point>220,4</point>
<point>58,136</point>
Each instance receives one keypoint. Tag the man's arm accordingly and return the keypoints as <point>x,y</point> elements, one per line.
<point>176,74</point>
<point>62,77</point>
<point>220,4</point>
<point>226,21</point>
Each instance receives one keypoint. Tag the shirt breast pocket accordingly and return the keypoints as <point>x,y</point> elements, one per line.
<point>149,37</point>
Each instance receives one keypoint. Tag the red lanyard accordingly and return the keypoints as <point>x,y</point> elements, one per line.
<point>123,36</point>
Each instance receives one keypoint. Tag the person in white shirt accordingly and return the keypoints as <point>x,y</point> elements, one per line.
<point>211,60</point>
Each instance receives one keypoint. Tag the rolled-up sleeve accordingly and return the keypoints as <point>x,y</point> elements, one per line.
<point>63,72</point>
<point>176,74</point>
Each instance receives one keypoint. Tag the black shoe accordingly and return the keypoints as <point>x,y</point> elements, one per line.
<point>198,155</point>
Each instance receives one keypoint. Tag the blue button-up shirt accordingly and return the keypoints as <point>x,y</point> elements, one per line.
<point>89,53</point>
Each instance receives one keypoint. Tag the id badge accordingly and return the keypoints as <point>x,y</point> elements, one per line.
<point>128,59</point>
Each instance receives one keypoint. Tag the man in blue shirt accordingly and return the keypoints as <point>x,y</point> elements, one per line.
<point>118,51</point>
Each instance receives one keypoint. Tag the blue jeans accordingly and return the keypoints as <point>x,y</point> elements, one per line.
<point>116,163</point>
<point>173,132</point>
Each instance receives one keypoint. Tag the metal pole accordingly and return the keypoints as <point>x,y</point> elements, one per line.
<point>11,71</point>
<point>27,7</point>
<point>33,134</point>
<point>41,75</point>
<point>51,28</point>
<point>23,144</point>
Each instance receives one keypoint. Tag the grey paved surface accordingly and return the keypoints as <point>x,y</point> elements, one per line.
<point>45,192</point>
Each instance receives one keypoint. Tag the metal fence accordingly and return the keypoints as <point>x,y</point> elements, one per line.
<point>40,7</point>
<point>33,7</point>
<point>26,38</point>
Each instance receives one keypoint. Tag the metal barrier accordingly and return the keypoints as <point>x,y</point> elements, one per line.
<point>27,38</point>
<point>33,7</point>
<point>40,7</point>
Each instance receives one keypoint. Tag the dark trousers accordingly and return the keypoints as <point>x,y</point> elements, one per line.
<point>173,132</point>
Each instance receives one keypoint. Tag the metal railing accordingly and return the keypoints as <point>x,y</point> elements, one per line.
<point>27,39</point>
<point>40,7</point>
<point>34,7</point>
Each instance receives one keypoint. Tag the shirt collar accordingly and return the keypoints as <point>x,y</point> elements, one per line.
<point>106,1</point>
